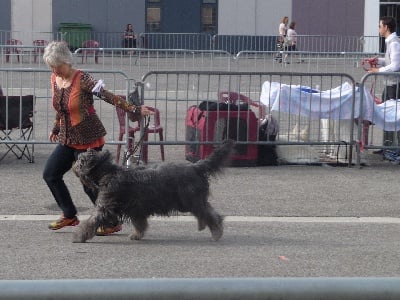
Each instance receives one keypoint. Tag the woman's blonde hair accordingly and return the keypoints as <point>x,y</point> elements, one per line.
<point>57,53</point>
<point>285,19</point>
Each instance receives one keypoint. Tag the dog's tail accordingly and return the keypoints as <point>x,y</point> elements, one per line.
<point>218,159</point>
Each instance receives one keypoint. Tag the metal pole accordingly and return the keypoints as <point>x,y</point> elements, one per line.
<point>205,288</point>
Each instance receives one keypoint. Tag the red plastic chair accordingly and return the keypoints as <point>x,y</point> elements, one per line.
<point>154,127</point>
<point>90,44</point>
<point>122,131</point>
<point>13,50</point>
<point>39,48</point>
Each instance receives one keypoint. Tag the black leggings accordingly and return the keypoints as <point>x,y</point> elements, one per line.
<point>59,163</point>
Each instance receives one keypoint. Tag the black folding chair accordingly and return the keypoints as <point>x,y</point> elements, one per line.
<point>16,124</point>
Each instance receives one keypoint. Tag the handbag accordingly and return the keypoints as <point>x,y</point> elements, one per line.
<point>134,99</point>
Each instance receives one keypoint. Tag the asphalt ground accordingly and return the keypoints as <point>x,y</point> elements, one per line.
<point>290,221</point>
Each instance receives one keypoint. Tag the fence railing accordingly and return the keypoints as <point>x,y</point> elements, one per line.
<point>379,125</point>
<point>312,134</point>
<point>201,41</point>
<point>205,289</point>
<point>137,62</point>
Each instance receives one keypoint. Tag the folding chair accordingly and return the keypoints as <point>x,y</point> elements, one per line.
<point>156,128</point>
<point>16,114</point>
<point>13,50</point>
<point>92,46</point>
<point>39,49</point>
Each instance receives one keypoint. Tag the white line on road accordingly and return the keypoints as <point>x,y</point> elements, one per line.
<point>250,219</point>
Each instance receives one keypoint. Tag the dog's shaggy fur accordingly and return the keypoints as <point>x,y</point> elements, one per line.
<point>135,194</point>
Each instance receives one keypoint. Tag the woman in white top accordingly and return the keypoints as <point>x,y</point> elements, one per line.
<point>281,38</point>
<point>283,28</point>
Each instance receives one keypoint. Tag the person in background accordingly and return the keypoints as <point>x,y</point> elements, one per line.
<point>282,30</point>
<point>389,63</point>
<point>291,39</point>
<point>76,128</point>
<point>129,37</point>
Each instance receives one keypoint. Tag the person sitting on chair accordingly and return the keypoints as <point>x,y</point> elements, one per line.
<point>390,63</point>
<point>129,37</point>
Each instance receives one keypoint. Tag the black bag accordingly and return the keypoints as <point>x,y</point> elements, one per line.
<point>267,155</point>
<point>133,98</point>
<point>222,106</point>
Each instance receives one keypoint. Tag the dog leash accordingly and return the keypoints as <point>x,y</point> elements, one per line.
<point>128,155</point>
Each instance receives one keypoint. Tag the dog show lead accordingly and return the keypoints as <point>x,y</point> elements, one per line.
<point>76,128</point>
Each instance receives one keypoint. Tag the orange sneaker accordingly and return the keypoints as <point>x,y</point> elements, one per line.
<point>103,231</point>
<point>62,222</point>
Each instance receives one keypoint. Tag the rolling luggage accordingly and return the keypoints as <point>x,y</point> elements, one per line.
<point>214,122</point>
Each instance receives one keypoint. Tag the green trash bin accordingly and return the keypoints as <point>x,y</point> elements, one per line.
<point>75,33</point>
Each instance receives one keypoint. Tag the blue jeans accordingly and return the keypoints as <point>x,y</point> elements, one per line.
<point>59,163</point>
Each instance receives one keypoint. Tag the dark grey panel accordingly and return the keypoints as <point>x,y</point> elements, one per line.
<point>326,17</point>
<point>180,16</point>
<point>5,19</point>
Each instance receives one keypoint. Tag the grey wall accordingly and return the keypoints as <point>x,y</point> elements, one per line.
<point>328,17</point>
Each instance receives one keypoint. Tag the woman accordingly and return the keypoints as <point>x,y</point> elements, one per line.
<point>292,37</point>
<point>282,29</point>
<point>76,128</point>
<point>291,40</point>
<point>129,37</point>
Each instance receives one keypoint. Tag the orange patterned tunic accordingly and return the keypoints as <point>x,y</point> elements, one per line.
<point>76,124</point>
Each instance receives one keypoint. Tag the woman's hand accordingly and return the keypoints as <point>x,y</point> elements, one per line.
<point>53,137</point>
<point>144,111</point>
<point>373,70</point>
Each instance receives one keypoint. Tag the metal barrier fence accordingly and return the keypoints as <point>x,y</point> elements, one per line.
<point>314,127</point>
<point>309,130</point>
<point>321,116</point>
<point>204,289</point>
<point>135,63</point>
<point>379,120</point>
<point>140,61</point>
<point>302,61</point>
<point>29,81</point>
<point>199,41</point>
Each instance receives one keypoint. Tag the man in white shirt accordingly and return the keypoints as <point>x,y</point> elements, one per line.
<point>390,63</point>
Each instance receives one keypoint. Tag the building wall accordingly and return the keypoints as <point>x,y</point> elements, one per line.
<point>251,17</point>
<point>326,17</point>
<point>103,15</point>
<point>235,17</point>
<point>33,16</point>
<point>371,21</point>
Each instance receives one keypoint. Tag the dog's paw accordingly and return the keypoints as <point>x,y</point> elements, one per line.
<point>136,236</point>
<point>78,238</point>
<point>217,233</point>
<point>201,225</point>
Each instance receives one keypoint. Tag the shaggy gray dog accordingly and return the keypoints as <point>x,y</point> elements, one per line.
<point>135,194</point>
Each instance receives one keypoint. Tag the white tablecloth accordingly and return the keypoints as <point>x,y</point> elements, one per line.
<point>331,104</point>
